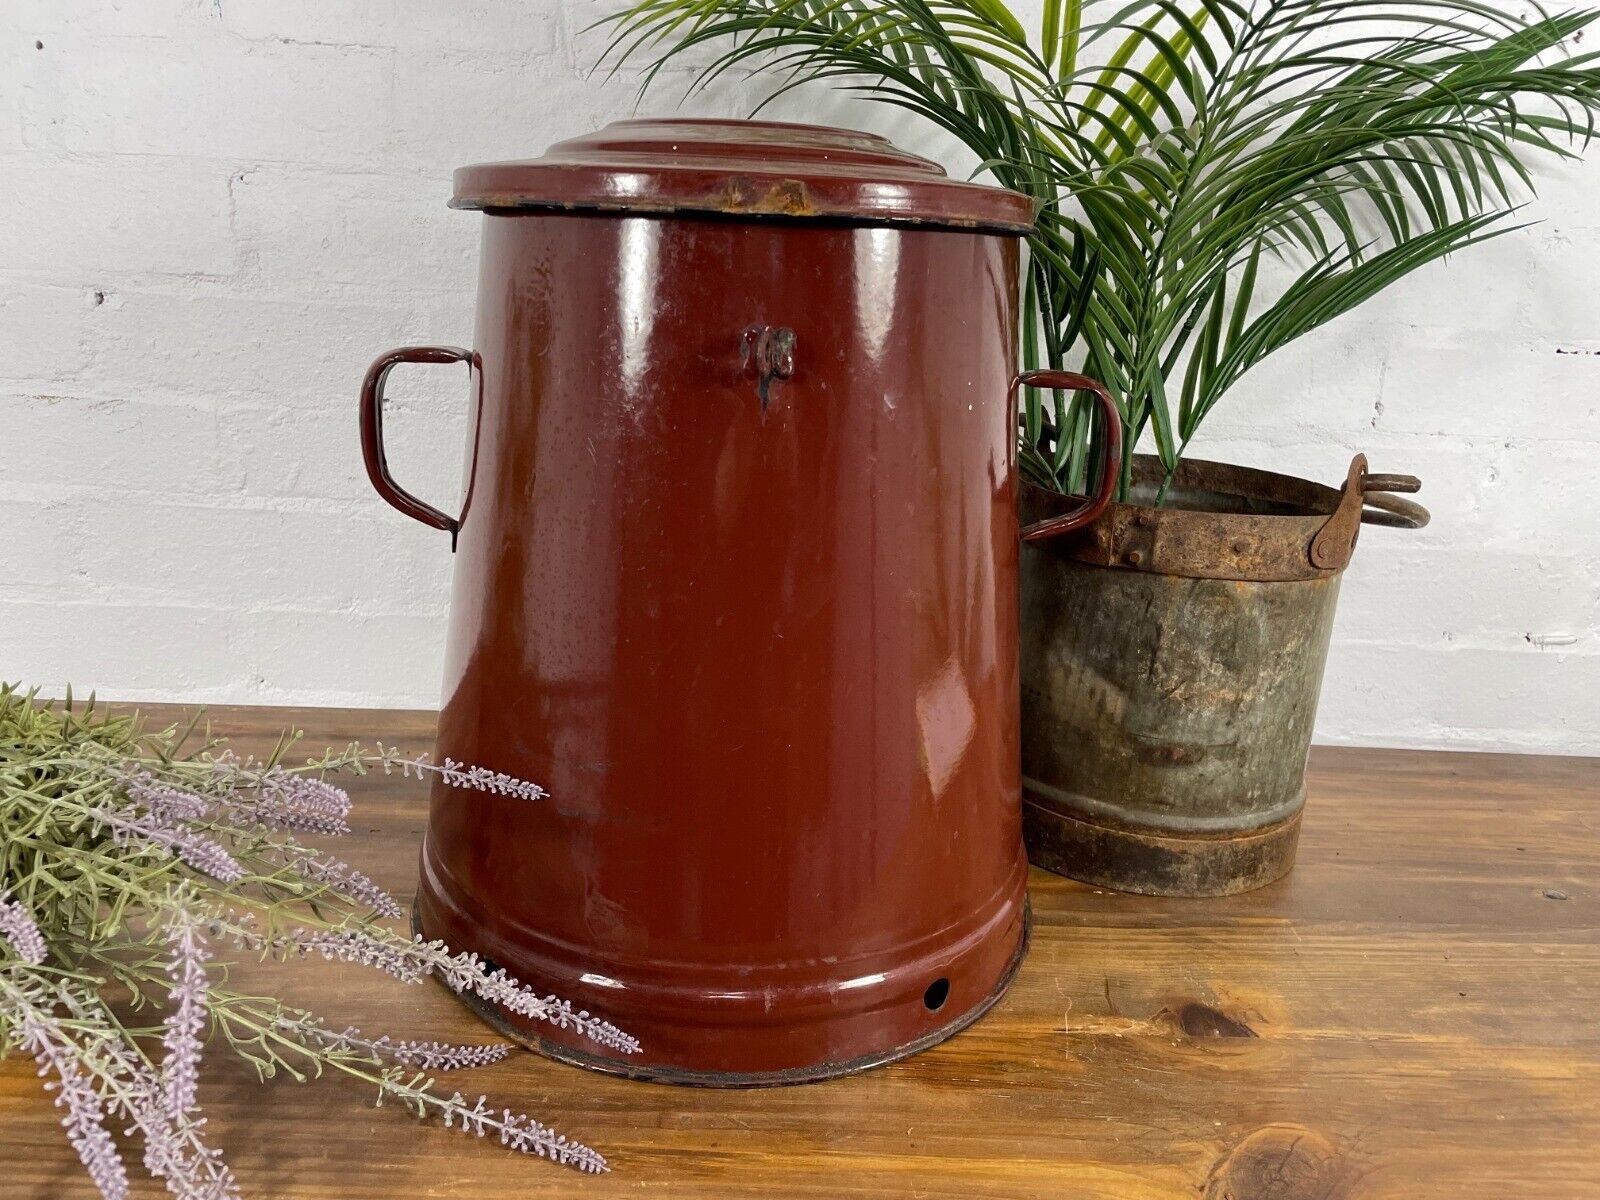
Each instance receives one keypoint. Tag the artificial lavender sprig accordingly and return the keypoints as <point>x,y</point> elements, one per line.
<point>84,1120</point>
<point>350,883</point>
<point>163,799</point>
<point>274,798</point>
<point>17,927</point>
<point>131,843</point>
<point>457,774</point>
<point>168,835</point>
<point>186,1020</point>
<point>482,779</point>
<point>516,1131</point>
<point>174,1149</point>
<point>410,961</point>
<point>305,793</point>
<point>424,1056</point>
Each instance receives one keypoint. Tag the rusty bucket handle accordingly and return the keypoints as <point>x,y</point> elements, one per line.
<point>1365,499</point>
<point>1110,459</point>
<point>372,430</point>
<point>1381,507</point>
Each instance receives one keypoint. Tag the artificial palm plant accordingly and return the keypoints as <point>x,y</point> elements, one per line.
<point>1181,149</point>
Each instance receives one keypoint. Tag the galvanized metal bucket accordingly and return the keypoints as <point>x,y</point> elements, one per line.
<point>1172,659</point>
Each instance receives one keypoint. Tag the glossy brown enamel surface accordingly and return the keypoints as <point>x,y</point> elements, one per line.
<point>763,655</point>
<point>763,170</point>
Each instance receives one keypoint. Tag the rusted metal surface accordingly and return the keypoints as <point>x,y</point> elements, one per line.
<point>764,661</point>
<point>1255,525</point>
<point>1135,860</point>
<point>762,170</point>
<point>1170,688</point>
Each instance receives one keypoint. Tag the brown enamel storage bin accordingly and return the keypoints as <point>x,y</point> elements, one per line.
<point>736,581</point>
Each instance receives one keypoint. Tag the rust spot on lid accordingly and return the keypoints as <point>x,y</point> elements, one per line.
<point>783,197</point>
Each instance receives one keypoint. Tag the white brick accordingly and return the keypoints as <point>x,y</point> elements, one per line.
<point>122,18</point>
<point>1330,380</point>
<point>311,560</point>
<point>88,222</point>
<point>513,27</point>
<point>458,109</point>
<point>1564,303</point>
<point>39,547</point>
<point>1422,696</point>
<point>1482,288</point>
<point>278,452</point>
<point>14,44</point>
<point>123,651</point>
<point>216,97</point>
<point>213,343</point>
<point>308,232</point>
<point>1398,594</point>
<point>1541,495</point>
<point>341,658</point>
<point>41,333</point>
<point>64,445</point>
<point>1456,384</point>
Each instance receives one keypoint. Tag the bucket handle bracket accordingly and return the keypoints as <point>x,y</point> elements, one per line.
<point>1365,499</point>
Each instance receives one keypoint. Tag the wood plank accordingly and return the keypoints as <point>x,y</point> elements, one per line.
<point>1411,1013</point>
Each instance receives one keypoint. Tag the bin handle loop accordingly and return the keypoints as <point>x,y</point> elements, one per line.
<point>372,429</point>
<point>1110,459</point>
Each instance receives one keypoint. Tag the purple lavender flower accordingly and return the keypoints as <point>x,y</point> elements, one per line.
<point>306,793</point>
<point>199,851</point>
<point>164,800</point>
<point>173,1147</point>
<point>350,883</point>
<point>410,961</point>
<point>521,1133</point>
<point>482,779</point>
<point>456,774</point>
<point>85,1117</point>
<point>425,1056</point>
<point>466,973</point>
<point>180,1070</point>
<point>280,799</point>
<point>356,946</point>
<point>17,927</point>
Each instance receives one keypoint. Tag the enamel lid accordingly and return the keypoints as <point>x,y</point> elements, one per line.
<point>743,169</point>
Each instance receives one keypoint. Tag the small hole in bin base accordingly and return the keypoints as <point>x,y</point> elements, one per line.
<point>938,992</point>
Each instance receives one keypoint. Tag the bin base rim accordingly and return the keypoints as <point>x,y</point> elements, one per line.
<point>493,1016</point>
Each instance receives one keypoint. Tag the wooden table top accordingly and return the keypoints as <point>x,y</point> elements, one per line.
<point>1413,1012</point>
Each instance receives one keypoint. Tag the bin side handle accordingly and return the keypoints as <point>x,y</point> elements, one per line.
<point>372,450</point>
<point>1110,459</point>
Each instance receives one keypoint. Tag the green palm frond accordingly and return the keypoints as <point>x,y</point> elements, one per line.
<point>1175,144</point>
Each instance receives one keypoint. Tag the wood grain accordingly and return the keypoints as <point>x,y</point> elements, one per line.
<point>1414,1012</point>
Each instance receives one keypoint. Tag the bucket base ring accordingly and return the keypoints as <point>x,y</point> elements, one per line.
<point>1152,863</point>
<point>493,1016</point>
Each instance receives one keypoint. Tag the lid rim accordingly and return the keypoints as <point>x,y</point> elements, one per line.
<point>742,170</point>
<point>501,207</point>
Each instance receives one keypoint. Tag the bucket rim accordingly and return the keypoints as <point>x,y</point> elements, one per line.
<point>1283,527</point>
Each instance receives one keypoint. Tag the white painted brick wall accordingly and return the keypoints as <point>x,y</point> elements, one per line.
<point>214,213</point>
